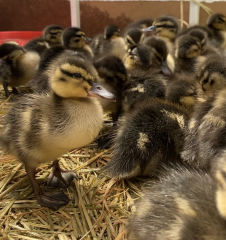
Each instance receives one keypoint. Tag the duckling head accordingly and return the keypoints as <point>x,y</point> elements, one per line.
<point>212,75</point>
<point>165,26</point>
<point>160,53</point>
<point>182,91</point>
<point>112,70</point>
<point>217,21</point>
<point>199,36</point>
<point>134,36</point>
<point>111,32</point>
<point>139,56</point>
<point>10,51</point>
<point>74,38</point>
<point>53,33</point>
<point>71,76</point>
<point>187,47</point>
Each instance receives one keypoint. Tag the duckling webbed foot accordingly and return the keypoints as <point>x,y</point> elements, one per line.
<point>48,199</point>
<point>53,200</point>
<point>59,177</point>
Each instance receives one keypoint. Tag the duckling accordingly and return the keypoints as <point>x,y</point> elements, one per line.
<point>53,35</point>
<point>40,128</point>
<point>147,138</point>
<point>160,55</point>
<point>184,204</point>
<point>212,75</point>
<point>133,37</point>
<point>144,79</point>
<point>113,77</point>
<point>187,53</point>
<point>139,56</point>
<point>141,24</point>
<point>22,65</point>
<point>109,43</point>
<point>183,91</point>
<point>75,39</point>
<point>166,27</point>
<point>208,120</point>
<point>38,45</point>
<point>217,25</point>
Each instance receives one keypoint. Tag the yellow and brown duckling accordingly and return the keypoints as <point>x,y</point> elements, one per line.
<point>40,128</point>
<point>133,37</point>
<point>166,27</point>
<point>113,77</point>
<point>53,35</point>
<point>160,55</point>
<point>145,80</point>
<point>139,56</point>
<point>187,55</point>
<point>183,91</point>
<point>212,75</point>
<point>206,131</point>
<point>109,43</point>
<point>184,204</point>
<point>75,39</point>
<point>21,64</point>
<point>150,136</point>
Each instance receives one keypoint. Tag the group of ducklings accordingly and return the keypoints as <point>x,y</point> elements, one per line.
<point>169,116</point>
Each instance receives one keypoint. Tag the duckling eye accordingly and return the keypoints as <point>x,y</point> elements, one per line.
<point>205,81</point>
<point>76,40</point>
<point>77,75</point>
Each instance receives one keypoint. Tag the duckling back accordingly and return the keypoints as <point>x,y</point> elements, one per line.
<point>181,206</point>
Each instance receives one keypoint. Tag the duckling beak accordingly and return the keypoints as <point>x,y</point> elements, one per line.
<point>98,91</point>
<point>149,29</point>
<point>166,70</point>
<point>88,39</point>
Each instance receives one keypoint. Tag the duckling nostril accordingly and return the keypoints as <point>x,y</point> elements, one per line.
<point>99,88</point>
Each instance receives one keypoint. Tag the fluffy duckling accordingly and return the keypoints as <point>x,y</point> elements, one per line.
<point>182,91</point>
<point>40,128</point>
<point>21,64</point>
<point>206,131</point>
<point>217,25</point>
<point>148,138</point>
<point>166,27</point>
<point>38,45</point>
<point>144,79</point>
<point>160,55</point>
<point>75,39</point>
<point>212,75</point>
<point>187,53</point>
<point>185,204</point>
<point>139,56</point>
<point>53,35</point>
<point>109,43</point>
<point>114,78</point>
<point>133,37</point>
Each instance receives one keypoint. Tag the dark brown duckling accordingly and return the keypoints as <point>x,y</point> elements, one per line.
<point>21,64</point>
<point>53,35</point>
<point>160,55</point>
<point>150,136</point>
<point>113,76</point>
<point>206,131</point>
<point>109,43</point>
<point>212,74</point>
<point>133,37</point>
<point>184,204</point>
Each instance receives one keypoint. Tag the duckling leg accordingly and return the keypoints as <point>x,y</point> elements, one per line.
<point>59,177</point>
<point>5,86</point>
<point>52,200</point>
